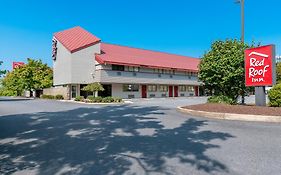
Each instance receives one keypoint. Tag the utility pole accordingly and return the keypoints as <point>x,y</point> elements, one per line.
<point>241,2</point>
<point>242,21</point>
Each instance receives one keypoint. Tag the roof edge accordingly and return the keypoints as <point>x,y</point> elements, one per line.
<point>151,50</point>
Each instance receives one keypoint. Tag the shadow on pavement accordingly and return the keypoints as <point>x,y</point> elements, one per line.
<point>107,140</point>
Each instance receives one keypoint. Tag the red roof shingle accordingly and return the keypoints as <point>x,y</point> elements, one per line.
<point>122,55</point>
<point>76,38</point>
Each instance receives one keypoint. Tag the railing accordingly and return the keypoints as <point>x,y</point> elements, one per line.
<point>105,75</point>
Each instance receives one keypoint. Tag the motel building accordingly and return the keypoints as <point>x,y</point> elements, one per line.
<point>80,58</point>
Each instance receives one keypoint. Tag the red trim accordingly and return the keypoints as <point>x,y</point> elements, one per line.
<point>196,89</point>
<point>143,91</point>
<point>170,91</point>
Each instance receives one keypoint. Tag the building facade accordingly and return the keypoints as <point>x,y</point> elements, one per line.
<point>80,58</point>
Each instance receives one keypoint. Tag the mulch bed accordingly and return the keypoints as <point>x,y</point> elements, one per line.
<point>236,109</point>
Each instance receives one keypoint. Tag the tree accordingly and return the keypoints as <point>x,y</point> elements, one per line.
<point>31,76</point>
<point>222,68</point>
<point>2,72</point>
<point>278,72</point>
<point>94,88</point>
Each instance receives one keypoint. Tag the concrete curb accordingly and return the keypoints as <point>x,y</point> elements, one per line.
<point>230,116</point>
<point>79,102</point>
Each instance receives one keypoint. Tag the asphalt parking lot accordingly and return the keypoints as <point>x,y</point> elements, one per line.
<point>146,136</point>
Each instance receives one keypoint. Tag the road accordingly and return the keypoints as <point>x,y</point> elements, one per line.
<point>147,136</point>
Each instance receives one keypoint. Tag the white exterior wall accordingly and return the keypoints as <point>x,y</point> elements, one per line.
<point>83,65</point>
<point>117,91</point>
<point>62,66</point>
<point>75,68</point>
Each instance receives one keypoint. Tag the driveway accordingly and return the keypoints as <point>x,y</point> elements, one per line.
<point>143,137</point>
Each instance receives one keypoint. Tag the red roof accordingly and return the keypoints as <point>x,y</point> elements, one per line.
<point>122,55</point>
<point>76,38</point>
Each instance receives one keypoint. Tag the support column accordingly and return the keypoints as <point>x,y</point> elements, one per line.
<point>260,96</point>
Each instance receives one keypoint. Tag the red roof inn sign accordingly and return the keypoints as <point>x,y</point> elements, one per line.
<point>260,70</point>
<point>260,66</point>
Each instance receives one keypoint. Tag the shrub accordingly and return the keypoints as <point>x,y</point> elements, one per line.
<point>98,99</point>
<point>91,97</point>
<point>274,96</point>
<point>44,96</point>
<point>107,100</point>
<point>59,97</point>
<point>79,98</point>
<point>117,99</point>
<point>221,99</point>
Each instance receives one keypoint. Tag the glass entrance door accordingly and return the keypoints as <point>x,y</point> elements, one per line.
<point>73,91</point>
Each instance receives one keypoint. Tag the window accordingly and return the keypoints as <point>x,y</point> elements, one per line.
<point>133,69</point>
<point>117,67</point>
<point>130,88</point>
<point>182,88</point>
<point>190,88</point>
<point>163,88</point>
<point>152,88</point>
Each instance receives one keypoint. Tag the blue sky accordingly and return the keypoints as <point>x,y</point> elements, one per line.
<point>185,27</point>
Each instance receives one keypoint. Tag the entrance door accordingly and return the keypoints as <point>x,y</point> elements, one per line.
<point>175,91</point>
<point>73,91</point>
<point>143,91</point>
<point>196,90</point>
<point>170,91</point>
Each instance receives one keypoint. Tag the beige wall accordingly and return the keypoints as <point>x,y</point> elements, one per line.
<point>64,91</point>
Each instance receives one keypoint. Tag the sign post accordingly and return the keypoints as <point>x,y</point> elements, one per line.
<point>260,70</point>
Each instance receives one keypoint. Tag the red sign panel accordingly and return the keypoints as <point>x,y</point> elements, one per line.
<point>260,66</point>
<point>17,64</point>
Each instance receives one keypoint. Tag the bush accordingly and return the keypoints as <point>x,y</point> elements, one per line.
<point>59,97</point>
<point>117,99</point>
<point>44,96</point>
<point>274,96</point>
<point>79,98</point>
<point>98,99</point>
<point>91,97</point>
<point>221,99</point>
<point>107,100</point>
<point>4,92</point>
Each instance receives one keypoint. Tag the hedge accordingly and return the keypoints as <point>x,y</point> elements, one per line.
<point>44,96</point>
<point>92,99</point>
<point>57,97</point>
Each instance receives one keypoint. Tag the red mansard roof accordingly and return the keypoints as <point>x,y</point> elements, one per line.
<point>122,55</point>
<point>76,38</point>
